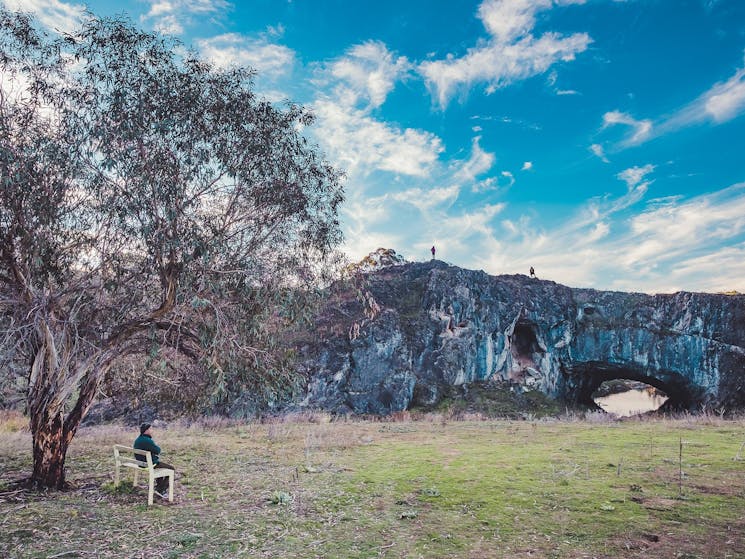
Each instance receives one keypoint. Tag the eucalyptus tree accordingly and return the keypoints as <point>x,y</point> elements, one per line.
<point>143,192</point>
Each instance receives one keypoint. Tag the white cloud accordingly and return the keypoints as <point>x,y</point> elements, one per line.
<point>486,185</point>
<point>509,176</point>
<point>722,102</point>
<point>693,244</point>
<point>641,129</point>
<point>527,166</point>
<point>53,14</point>
<point>599,151</point>
<point>718,271</point>
<point>468,233</point>
<point>426,199</point>
<point>512,52</point>
<point>718,215</point>
<point>726,101</point>
<point>635,175</point>
<point>552,79</point>
<point>275,30</point>
<point>611,243</point>
<point>507,20</point>
<point>369,72</point>
<point>233,49</point>
<point>665,235</point>
<point>362,234</point>
<point>599,231</point>
<point>172,16</point>
<point>479,162</point>
<point>463,226</point>
<point>360,144</point>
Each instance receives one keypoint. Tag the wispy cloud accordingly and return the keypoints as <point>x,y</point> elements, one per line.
<point>427,199</point>
<point>54,14</point>
<point>456,233</point>
<point>552,79</point>
<point>509,176</point>
<point>640,129</point>
<point>511,53</point>
<point>721,103</point>
<point>479,163</point>
<point>362,144</point>
<point>349,89</point>
<point>720,270</point>
<point>172,16</point>
<point>671,244</point>
<point>368,72</point>
<point>232,49</point>
<point>599,151</point>
<point>635,175</point>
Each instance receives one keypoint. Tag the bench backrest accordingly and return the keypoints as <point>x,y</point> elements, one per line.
<point>125,456</point>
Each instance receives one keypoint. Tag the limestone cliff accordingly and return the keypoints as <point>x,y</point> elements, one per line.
<point>396,337</point>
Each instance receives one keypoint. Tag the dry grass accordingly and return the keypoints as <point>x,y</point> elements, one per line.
<point>412,486</point>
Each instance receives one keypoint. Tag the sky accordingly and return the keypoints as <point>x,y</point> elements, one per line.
<point>601,142</point>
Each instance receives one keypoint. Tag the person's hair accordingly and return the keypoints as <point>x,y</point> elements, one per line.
<point>144,427</point>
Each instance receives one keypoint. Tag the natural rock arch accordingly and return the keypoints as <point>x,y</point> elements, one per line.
<point>442,326</point>
<point>582,379</point>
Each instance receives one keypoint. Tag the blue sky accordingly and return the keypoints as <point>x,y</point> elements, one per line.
<point>600,141</point>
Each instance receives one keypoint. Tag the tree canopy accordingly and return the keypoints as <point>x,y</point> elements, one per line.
<point>143,193</point>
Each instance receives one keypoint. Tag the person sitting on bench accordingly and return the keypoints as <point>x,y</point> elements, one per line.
<point>145,442</point>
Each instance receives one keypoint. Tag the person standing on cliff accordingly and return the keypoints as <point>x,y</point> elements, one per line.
<point>433,252</point>
<point>532,272</point>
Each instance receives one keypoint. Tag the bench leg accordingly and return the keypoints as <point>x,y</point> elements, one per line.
<point>170,486</point>
<point>137,475</point>
<point>150,489</point>
<point>116,476</point>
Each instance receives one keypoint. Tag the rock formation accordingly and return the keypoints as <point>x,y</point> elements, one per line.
<point>396,337</point>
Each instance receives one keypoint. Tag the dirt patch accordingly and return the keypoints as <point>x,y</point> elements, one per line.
<point>681,542</point>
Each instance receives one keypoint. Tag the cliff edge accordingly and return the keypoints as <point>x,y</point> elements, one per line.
<point>399,336</point>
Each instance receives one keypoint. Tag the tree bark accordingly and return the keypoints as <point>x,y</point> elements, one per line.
<point>54,377</point>
<point>50,444</point>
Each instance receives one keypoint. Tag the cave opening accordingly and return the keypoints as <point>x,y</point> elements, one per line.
<point>583,380</point>
<point>524,341</point>
<point>526,352</point>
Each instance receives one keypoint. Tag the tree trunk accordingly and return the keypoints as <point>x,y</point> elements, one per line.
<point>50,443</point>
<point>55,376</point>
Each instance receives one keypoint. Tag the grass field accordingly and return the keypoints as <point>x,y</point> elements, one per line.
<point>430,488</point>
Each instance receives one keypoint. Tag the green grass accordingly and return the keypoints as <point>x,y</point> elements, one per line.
<point>430,488</point>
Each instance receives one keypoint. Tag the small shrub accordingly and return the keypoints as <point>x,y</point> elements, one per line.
<point>187,540</point>
<point>124,488</point>
<point>400,416</point>
<point>280,498</point>
<point>12,421</point>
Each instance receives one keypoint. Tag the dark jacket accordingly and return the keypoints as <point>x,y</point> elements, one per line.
<point>145,442</point>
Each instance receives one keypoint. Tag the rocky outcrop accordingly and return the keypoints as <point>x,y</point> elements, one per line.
<point>397,337</point>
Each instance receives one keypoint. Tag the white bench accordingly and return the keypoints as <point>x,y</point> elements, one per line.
<point>125,456</point>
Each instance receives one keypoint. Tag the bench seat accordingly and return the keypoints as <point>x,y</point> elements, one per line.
<point>124,456</point>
